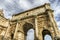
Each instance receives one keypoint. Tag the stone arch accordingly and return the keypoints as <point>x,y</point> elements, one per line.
<point>46,32</point>
<point>26,28</point>
<point>30,34</point>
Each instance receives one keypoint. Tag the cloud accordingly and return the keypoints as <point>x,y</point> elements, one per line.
<point>55,5</point>
<point>16,6</point>
<point>11,7</point>
<point>40,2</point>
<point>25,4</point>
<point>58,23</point>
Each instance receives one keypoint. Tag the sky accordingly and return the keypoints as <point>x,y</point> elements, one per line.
<point>11,7</point>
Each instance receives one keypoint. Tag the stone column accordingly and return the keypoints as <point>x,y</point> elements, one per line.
<point>38,32</point>
<point>15,34</point>
<point>19,34</point>
<point>7,34</point>
<point>50,13</point>
<point>10,30</point>
<point>36,29</point>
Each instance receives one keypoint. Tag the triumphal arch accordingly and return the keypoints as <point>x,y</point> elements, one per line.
<point>40,19</point>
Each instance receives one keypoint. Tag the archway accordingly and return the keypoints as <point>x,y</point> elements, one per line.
<point>27,27</point>
<point>30,34</point>
<point>46,35</point>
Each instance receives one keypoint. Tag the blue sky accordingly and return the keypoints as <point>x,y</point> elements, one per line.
<point>11,7</point>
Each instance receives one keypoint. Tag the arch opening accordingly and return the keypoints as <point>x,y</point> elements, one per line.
<point>28,31</point>
<point>46,35</point>
<point>30,34</point>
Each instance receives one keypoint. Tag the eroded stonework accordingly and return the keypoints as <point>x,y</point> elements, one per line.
<point>40,19</point>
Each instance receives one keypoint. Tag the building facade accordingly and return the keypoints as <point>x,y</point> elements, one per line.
<point>40,19</point>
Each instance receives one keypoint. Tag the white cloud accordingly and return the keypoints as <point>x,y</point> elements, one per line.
<point>40,2</point>
<point>0,7</point>
<point>55,4</point>
<point>6,15</point>
<point>56,11</point>
<point>28,4</point>
<point>10,1</point>
<point>15,6</point>
<point>56,7</point>
<point>58,23</point>
<point>25,4</point>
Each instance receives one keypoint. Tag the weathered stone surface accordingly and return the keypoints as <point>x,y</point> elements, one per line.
<point>40,19</point>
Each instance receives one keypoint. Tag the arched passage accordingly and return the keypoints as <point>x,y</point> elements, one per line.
<point>46,35</point>
<point>30,34</point>
<point>26,28</point>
